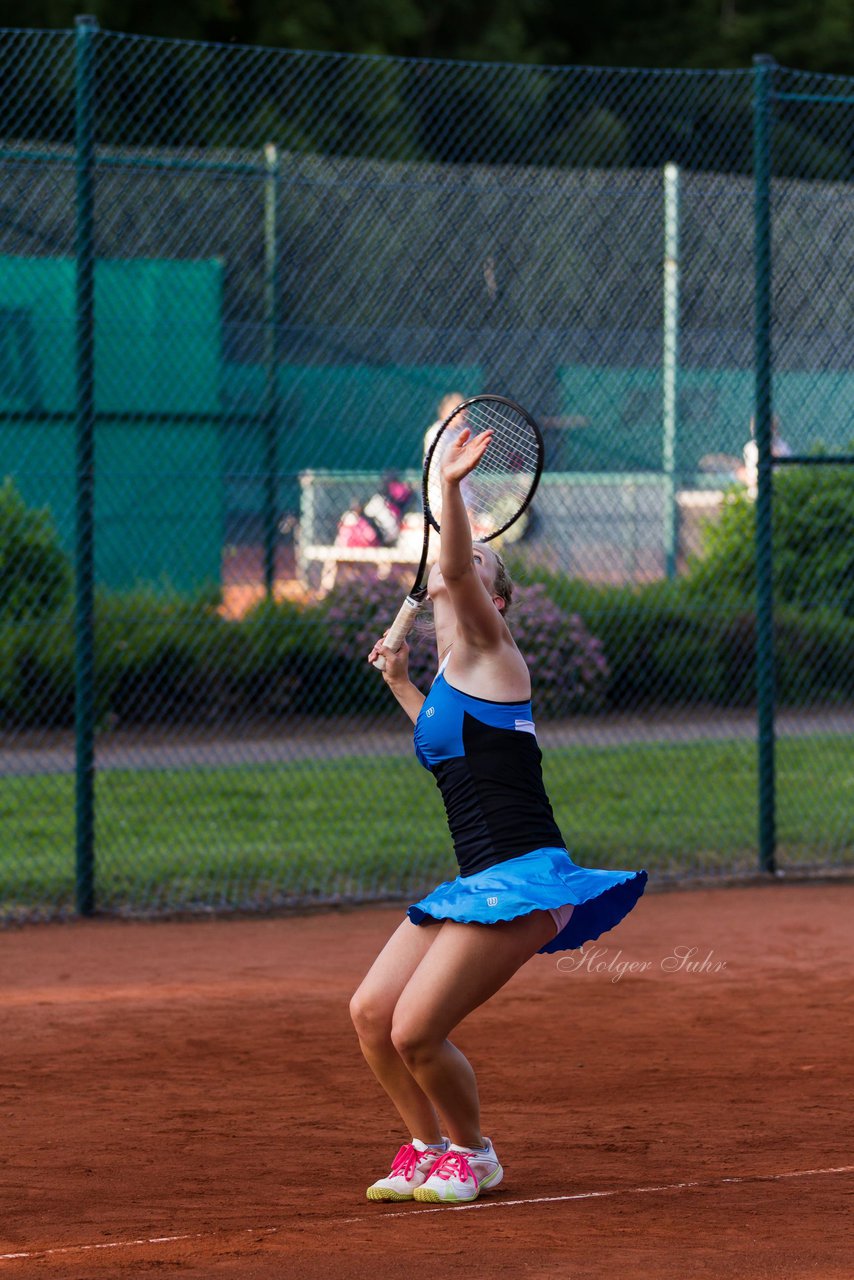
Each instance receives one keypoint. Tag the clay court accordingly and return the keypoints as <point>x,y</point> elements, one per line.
<point>187,1099</point>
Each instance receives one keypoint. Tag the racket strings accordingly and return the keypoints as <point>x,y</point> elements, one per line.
<point>514,447</point>
<point>500,485</point>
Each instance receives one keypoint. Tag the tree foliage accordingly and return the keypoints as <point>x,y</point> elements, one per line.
<point>815,35</point>
<point>813,544</point>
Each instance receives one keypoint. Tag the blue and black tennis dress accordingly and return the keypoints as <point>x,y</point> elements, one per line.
<point>487,763</point>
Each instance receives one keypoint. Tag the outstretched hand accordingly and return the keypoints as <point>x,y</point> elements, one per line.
<point>463,454</point>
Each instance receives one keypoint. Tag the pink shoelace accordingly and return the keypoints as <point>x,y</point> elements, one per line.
<point>404,1163</point>
<point>453,1164</point>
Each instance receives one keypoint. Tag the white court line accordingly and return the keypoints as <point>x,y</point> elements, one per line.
<point>622,1191</point>
<point>129,1244</point>
<point>420,1211</point>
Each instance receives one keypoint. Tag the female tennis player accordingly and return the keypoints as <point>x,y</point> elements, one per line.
<point>518,892</point>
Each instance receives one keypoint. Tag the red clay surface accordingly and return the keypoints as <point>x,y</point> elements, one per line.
<point>201,1080</point>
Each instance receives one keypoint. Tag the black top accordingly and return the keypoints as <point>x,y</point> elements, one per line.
<point>485,758</point>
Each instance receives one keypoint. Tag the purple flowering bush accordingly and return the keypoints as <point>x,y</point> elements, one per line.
<point>568,668</point>
<point>357,613</point>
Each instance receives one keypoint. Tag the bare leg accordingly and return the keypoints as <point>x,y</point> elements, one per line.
<point>372,1010</point>
<point>465,966</point>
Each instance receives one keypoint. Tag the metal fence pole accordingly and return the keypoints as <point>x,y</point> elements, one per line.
<point>271,370</point>
<point>87,27</point>
<point>762,126</point>
<point>670,360</point>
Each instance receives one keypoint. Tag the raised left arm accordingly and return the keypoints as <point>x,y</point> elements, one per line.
<point>478,621</point>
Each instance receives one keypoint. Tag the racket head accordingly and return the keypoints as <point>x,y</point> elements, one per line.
<point>502,487</point>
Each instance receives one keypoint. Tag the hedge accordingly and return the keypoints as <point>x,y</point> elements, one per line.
<point>162,658</point>
<point>812,538</point>
<point>172,660</point>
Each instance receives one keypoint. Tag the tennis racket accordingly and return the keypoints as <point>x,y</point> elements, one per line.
<point>496,493</point>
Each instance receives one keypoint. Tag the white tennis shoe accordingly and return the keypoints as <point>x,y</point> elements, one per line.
<point>409,1169</point>
<point>461,1174</point>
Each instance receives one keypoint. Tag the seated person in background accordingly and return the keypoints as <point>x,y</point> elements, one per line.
<point>379,521</point>
<point>387,508</point>
<point>749,473</point>
<point>355,529</point>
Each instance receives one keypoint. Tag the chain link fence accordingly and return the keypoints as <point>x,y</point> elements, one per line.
<point>238,285</point>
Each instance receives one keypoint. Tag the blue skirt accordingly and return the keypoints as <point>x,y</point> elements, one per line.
<point>540,881</point>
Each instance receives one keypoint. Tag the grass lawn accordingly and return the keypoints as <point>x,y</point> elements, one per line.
<point>361,827</point>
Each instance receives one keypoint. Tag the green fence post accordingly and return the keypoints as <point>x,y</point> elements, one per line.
<point>87,27</point>
<point>762,125</point>
<point>271,352</point>
<point>670,361</point>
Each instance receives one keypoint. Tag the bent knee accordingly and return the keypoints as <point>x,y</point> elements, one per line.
<point>412,1039</point>
<point>371,1017</point>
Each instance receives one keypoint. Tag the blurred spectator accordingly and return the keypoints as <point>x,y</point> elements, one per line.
<point>379,521</point>
<point>386,508</point>
<point>749,473</point>
<point>447,405</point>
<point>355,529</point>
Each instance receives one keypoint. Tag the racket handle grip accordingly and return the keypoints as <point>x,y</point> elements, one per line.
<point>399,629</point>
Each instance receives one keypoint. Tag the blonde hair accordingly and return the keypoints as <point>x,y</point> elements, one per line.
<point>502,583</point>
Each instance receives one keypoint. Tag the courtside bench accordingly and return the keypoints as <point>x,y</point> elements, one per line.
<point>329,557</point>
<point>324,497</point>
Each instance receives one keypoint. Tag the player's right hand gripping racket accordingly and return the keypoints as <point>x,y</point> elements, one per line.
<point>496,493</point>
